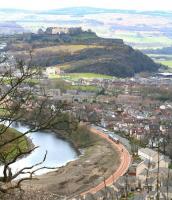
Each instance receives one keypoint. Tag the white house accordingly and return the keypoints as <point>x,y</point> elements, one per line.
<point>149,154</point>
<point>152,156</point>
<point>52,71</point>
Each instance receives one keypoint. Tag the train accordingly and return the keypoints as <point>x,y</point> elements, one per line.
<point>106,132</point>
<point>113,138</point>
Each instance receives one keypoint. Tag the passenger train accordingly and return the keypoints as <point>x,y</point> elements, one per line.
<point>113,138</point>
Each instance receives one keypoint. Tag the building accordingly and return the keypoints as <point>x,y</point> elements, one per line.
<point>152,156</point>
<point>129,99</point>
<point>148,154</point>
<point>63,30</point>
<point>52,71</point>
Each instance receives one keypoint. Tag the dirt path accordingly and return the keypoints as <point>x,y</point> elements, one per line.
<point>120,171</point>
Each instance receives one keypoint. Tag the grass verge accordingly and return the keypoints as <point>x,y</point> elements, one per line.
<point>11,150</point>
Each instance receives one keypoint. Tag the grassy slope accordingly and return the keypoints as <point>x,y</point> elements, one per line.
<point>60,48</point>
<point>81,137</point>
<point>11,150</point>
<point>4,112</point>
<point>66,48</point>
<point>77,63</point>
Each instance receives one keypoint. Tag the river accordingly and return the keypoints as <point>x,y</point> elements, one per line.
<point>60,152</point>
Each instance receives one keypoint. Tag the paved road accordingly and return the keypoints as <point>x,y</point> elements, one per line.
<point>123,167</point>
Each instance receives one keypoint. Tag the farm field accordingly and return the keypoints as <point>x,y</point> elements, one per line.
<point>76,76</point>
<point>167,63</point>
<point>164,59</point>
<point>144,39</point>
<point>160,56</point>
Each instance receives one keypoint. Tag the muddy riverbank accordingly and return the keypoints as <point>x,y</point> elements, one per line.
<point>97,163</point>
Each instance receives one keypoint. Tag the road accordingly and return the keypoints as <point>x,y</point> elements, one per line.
<point>122,169</point>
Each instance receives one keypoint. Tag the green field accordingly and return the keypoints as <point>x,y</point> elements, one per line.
<point>54,76</point>
<point>88,88</point>
<point>65,85</point>
<point>160,56</point>
<point>76,76</point>
<point>164,59</point>
<point>167,63</point>
<point>144,40</point>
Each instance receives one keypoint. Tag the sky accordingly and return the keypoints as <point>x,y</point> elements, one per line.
<point>116,4</point>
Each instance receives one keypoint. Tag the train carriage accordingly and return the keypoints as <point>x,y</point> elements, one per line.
<point>113,138</point>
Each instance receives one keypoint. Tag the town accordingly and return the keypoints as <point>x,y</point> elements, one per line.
<point>85,100</point>
<point>137,111</point>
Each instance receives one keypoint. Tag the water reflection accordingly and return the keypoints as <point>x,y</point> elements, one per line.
<point>59,151</point>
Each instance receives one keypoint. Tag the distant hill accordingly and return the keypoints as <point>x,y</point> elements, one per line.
<point>82,52</point>
<point>86,11</point>
<point>91,10</point>
<point>10,28</point>
<point>165,50</point>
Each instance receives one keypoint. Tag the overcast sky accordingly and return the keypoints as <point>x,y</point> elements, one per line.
<point>118,4</point>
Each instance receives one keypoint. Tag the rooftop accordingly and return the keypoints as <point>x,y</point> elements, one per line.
<point>148,151</point>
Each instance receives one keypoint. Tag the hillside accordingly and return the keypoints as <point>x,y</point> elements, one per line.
<point>120,61</point>
<point>10,28</point>
<point>81,52</point>
<point>165,50</point>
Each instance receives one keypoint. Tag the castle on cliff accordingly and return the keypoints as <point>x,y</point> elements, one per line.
<point>60,30</point>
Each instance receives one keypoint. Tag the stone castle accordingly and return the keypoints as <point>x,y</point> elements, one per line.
<point>60,30</point>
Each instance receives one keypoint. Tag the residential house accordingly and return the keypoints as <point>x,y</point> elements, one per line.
<point>52,71</point>
<point>148,154</point>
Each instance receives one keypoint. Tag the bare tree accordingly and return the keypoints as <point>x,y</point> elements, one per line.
<point>158,174</point>
<point>19,102</point>
<point>168,177</point>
